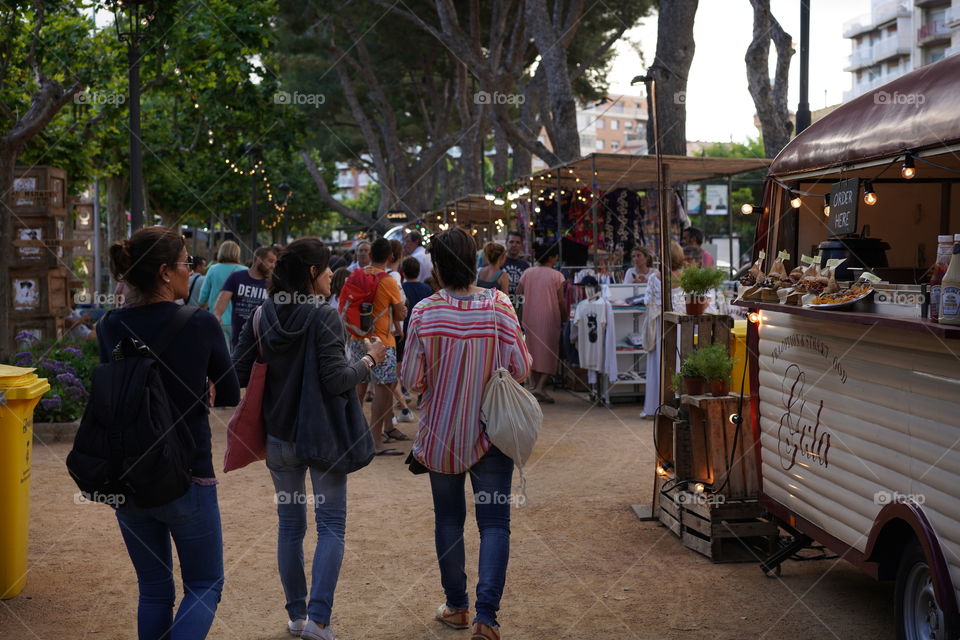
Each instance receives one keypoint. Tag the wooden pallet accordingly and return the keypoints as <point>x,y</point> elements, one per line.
<point>724,531</point>
<point>715,442</point>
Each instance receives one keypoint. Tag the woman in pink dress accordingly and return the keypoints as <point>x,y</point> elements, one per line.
<point>544,312</point>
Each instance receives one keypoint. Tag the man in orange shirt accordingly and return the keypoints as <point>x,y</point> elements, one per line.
<point>388,308</point>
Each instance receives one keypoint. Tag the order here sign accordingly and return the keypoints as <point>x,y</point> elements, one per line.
<point>844,197</point>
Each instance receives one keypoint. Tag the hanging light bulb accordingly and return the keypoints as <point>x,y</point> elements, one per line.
<point>746,209</point>
<point>826,204</point>
<point>869,195</point>
<point>754,317</point>
<point>909,170</point>
<point>795,200</point>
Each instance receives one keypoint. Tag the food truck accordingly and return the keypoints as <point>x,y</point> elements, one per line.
<point>855,398</point>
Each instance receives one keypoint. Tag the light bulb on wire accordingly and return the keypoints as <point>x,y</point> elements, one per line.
<point>869,195</point>
<point>795,201</point>
<point>826,204</point>
<point>909,170</point>
<point>746,209</point>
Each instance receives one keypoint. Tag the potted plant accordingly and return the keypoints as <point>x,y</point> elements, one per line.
<point>716,366</point>
<point>696,282</point>
<point>691,375</point>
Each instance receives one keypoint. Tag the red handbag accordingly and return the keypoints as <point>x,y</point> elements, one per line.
<point>246,433</point>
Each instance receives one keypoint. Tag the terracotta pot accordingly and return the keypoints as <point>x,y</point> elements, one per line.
<point>719,387</point>
<point>693,386</point>
<point>696,308</point>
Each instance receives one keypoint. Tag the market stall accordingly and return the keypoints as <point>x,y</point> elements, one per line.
<point>855,389</point>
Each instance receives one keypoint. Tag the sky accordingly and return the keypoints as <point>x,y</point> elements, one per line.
<point>719,106</point>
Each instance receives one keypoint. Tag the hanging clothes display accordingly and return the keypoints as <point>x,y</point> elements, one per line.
<point>590,322</point>
<point>651,221</point>
<point>623,219</point>
<point>546,224</point>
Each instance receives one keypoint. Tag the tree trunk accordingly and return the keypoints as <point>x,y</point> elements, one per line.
<point>553,56</point>
<point>501,160</point>
<point>670,68</point>
<point>8,159</point>
<point>770,99</point>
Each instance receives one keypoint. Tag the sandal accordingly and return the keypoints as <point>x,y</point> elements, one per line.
<point>485,632</point>
<point>394,434</point>
<point>544,398</point>
<point>453,618</point>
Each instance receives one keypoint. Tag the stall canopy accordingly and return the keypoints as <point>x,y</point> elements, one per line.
<point>609,171</point>
<point>469,210</point>
<point>914,112</point>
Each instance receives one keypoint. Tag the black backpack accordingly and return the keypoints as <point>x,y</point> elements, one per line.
<point>132,444</point>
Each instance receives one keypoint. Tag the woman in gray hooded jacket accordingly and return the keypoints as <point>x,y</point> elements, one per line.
<point>301,341</point>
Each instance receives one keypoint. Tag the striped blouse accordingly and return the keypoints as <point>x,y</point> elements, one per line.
<point>449,357</point>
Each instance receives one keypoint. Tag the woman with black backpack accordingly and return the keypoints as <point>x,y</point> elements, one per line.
<point>313,420</point>
<point>154,265</point>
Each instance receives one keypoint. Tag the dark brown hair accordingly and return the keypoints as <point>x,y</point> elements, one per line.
<point>292,273</point>
<point>262,252</point>
<point>137,260</point>
<point>397,247</point>
<point>410,268</point>
<point>492,251</point>
<point>380,251</point>
<point>454,255</point>
<point>339,279</point>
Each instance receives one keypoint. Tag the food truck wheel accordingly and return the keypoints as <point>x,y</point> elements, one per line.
<point>919,617</point>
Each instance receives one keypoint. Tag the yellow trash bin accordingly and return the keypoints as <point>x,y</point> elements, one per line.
<point>738,350</point>
<point>20,390</point>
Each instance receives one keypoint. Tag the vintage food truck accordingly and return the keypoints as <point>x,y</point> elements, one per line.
<point>855,402</point>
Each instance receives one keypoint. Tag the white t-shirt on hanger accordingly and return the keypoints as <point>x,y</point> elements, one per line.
<point>590,319</point>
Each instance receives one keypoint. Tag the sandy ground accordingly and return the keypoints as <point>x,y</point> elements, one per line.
<point>582,565</point>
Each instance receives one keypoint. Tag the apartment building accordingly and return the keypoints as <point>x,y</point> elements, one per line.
<point>351,181</point>
<point>898,36</point>
<point>615,124</point>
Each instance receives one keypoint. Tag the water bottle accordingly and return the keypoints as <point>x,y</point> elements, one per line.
<point>366,316</point>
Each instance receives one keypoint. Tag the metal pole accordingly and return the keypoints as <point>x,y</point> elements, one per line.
<point>557,197</point>
<point>253,212</point>
<point>136,157</point>
<point>734,264</point>
<point>593,208</point>
<point>96,239</point>
<point>803,110</point>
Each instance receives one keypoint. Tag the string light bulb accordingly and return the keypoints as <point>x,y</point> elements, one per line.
<point>699,487</point>
<point>826,204</point>
<point>746,209</point>
<point>869,195</point>
<point>909,170</point>
<point>795,201</point>
<point>754,317</point>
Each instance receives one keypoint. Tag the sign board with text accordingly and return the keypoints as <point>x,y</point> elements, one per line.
<point>844,198</point>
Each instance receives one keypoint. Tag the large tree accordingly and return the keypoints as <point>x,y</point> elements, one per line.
<point>770,95</point>
<point>670,68</point>
<point>38,37</point>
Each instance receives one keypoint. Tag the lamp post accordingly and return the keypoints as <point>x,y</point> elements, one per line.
<point>131,19</point>
<point>284,190</point>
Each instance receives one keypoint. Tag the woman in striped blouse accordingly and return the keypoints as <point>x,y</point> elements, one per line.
<point>450,355</point>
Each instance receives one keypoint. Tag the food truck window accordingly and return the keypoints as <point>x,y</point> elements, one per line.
<point>785,231</point>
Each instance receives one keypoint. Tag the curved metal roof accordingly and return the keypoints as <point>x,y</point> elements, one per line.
<point>920,110</point>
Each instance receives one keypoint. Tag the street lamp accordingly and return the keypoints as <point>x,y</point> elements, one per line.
<point>131,19</point>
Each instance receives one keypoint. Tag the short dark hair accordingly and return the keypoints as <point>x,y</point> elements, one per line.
<point>262,252</point>
<point>380,250</point>
<point>410,268</point>
<point>454,255</point>
<point>292,273</point>
<point>515,234</point>
<point>695,233</point>
<point>544,252</point>
<point>414,236</point>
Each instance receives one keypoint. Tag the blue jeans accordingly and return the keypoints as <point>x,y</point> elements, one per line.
<point>330,499</point>
<point>193,521</point>
<point>491,478</point>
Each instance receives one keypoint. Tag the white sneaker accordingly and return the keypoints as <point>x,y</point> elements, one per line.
<point>295,627</point>
<point>313,631</point>
<point>405,416</point>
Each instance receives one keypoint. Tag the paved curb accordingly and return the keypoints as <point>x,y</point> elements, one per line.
<point>48,432</point>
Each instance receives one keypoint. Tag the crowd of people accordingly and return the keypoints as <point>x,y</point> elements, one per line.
<point>398,325</point>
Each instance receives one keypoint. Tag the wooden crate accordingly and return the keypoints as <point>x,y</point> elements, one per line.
<point>724,531</point>
<point>42,328</point>
<point>715,442</point>
<point>39,293</point>
<point>39,191</point>
<point>39,241</point>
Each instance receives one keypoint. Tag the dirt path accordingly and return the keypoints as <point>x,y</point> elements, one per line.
<point>581,565</point>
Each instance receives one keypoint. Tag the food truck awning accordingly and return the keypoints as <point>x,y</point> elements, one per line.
<point>612,170</point>
<point>914,112</point>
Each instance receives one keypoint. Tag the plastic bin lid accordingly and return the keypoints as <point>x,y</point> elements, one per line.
<point>21,383</point>
<point>740,329</point>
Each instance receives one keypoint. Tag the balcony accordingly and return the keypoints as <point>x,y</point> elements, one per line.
<point>953,17</point>
<point>890,47</point>
<point>932,31</point>
<point>858,25</point>
<point>881,14</point>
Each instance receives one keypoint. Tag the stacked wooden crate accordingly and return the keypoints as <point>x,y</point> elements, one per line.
<point>40,276</point>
